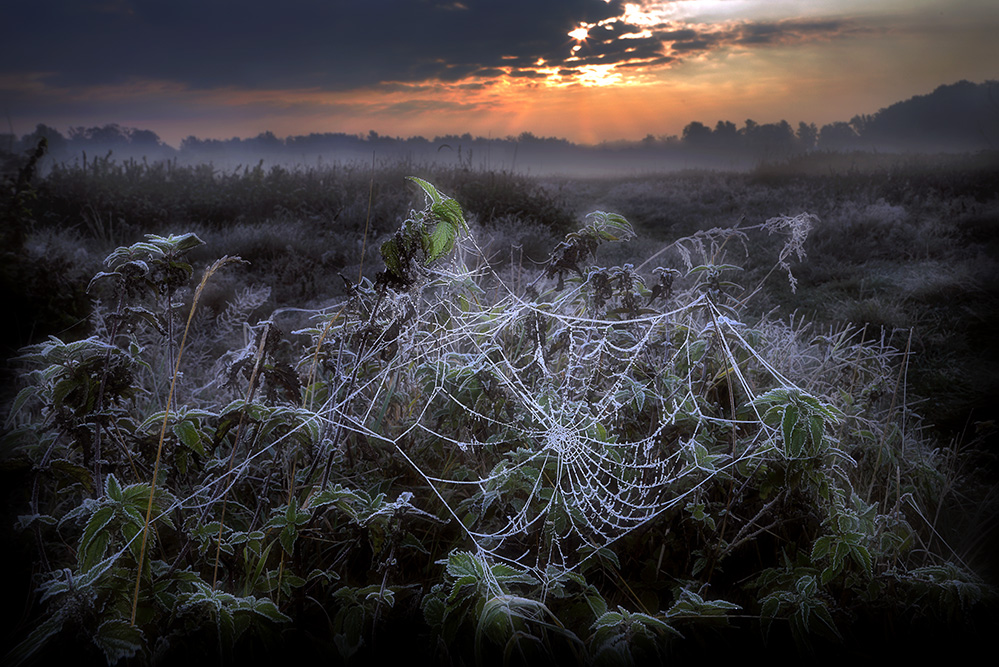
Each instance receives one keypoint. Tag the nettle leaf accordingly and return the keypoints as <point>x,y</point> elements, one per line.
<point>862,556</point>
<point>266,608</point>
<point>431,191</point>
<point>392,257</point>
<point>608,619</point>
<point>450,221</point>
<point>75,472</point>
<point>690,604</point>
<point>343,498</point>
<point>95,539</point>
<point>821,548</point>
<point>434,609</point>
<point>450,211</point>
<point>112,488</point>
<point>135,498</point>
<point>19,401</point>
<point>624,637</point>
<point>440,241</point>
<point>463,565</point>
<point>289,518</point>
<point>507,574</point>
<point>288,537</point>
<point>698,514</point>
<point>189,436</point>
<point>655,624</point>
<point>470,569</point>
<point>815,430</point>
<point>793,437</point>
<point>118,639</point>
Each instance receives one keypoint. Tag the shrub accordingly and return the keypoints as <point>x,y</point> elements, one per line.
<point>597,464</point>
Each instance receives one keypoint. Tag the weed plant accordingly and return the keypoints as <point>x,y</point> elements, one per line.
<point>456,461</point>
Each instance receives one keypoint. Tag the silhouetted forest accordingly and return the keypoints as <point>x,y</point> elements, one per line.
<point>956,118</point>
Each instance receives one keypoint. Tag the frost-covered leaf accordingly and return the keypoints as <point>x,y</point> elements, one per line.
<point>118,639</point>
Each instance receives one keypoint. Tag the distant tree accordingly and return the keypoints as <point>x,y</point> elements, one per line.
<point>265,141</point>
<point>696,134</point>
<point>860,123</point>
<point>957,117</point>
<point>146,139</point>
<point>111,135</point>
<point>726,136</point>
<point>774,140</point>
<point>807,136</point>
<point>838,136</point>
<point>191,144</point>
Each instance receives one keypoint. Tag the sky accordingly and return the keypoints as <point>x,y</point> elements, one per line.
<point>586,70</point>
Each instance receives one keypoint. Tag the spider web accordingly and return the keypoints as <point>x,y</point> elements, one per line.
<point>561,426</point>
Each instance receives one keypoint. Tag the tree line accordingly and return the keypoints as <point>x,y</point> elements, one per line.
<point>961,117</point>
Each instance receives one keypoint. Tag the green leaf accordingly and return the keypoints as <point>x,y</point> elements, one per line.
<point>431,191</point>
<point>789,421</point>
<point>608,619</point>
<point>184,242</point>
<point>76,472</point>
<point>112,488</point>
<point>862,557</point>
<point>440,241</point>
<point>392,257</point>
<point>118,639</point>
<point>288,537</point>
<point>19,401</point>
<point>95,538</point>
<point>189,436</point>
<point>268,610</point>
<point>821,548</point>
<point>464,564</point>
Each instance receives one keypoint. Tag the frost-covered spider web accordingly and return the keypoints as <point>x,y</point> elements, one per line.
<point>549,424</point>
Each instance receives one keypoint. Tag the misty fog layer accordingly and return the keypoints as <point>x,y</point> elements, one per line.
<point>957,118</point>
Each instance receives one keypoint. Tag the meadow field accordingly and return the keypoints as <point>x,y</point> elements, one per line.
<point>381,410</point>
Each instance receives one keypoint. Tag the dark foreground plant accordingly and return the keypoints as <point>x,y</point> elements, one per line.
<point>606,467</point>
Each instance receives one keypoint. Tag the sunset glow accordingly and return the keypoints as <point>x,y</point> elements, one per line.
<point>435,68</point>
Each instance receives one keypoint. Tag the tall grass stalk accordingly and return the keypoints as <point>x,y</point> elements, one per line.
<point>218,264</point>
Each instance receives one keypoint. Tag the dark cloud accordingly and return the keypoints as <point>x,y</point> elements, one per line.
<point>704,38</point>
<point>54,52</point>
<point>489,72</point>
<point>692,45</point>
<point>528,73</point>
<point>782,32</point>
<point>677,35</point>
<point>328,44</point>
